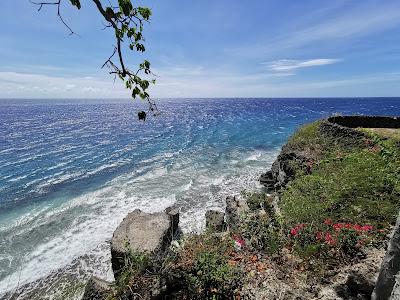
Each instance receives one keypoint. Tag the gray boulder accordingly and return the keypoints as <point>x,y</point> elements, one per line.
<point>215,220</point>
<point>143,232</point>
<point>96,289</point>
<point>386,284</point>
<point>236,206</point>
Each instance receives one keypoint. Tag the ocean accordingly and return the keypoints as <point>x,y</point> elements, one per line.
<point>70,170</point>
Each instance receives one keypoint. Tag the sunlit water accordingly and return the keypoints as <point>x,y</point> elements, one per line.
<point>71,170</point>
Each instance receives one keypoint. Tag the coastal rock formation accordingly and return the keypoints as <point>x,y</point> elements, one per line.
<point>140,231</point>
<point>235,207</point>
<point>284,168</point>
<point>388,281</point>
<point>342,128</point>
<point>215,220</point>
<point>267,179</point>
<point>96,289</point>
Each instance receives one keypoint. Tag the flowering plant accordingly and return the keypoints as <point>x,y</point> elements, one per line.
<point>337,238</point>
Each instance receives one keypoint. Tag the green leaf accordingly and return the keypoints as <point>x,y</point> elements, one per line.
<point>125,6</point>
<point>142,115</point>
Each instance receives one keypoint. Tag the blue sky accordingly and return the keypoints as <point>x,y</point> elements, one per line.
<point>205,48</point>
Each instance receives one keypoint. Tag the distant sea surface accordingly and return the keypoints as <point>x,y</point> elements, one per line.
<point>70,170</point>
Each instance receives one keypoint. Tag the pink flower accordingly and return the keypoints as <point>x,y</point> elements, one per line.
<point>238,242</point>
<point>328,221</point>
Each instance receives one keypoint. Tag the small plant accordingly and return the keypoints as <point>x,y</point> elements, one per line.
<point>257,200</point>
<point>203,268</point>
<point>138,274</point>
<point>262,233</point>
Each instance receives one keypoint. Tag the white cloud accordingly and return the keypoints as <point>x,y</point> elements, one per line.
<point>285,65</point>
<point>28,85</point>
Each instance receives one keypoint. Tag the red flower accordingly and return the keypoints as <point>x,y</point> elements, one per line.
<point>329,239</point>
<point>328,221</point>
<point>357,227</point>
<point>293,231</point>
<point>366,228</point>
<point>338,226</point>
<point>319,235</point>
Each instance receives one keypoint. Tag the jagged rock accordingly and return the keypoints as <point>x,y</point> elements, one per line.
<point>284,168</point>
<point>235,207</point>
<point>96,289</point>
<point>386,283</point>
<point>215,220</point>
<point>268,180</point>
<point>144,232</point>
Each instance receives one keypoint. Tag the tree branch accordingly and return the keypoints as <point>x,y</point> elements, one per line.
<point>58,3</point>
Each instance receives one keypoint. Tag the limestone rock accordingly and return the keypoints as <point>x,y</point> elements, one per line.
<point>96,289</point>
<point>385,285</point>
<point>235,207</point>
<point>215,220</point>
<point>284,168</point>
<point>144,232</point>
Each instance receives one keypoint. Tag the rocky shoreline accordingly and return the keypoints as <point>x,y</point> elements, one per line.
<point>148,251</point>
<point>158,233</point>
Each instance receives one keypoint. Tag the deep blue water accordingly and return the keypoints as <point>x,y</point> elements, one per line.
<point>71,169</point>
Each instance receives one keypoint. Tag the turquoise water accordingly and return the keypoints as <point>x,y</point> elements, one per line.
<point>71,170</point>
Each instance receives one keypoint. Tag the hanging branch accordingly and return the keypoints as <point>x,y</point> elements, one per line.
<point>127,22</point>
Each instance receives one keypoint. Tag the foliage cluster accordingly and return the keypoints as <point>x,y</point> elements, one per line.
<point>328,240</point>
<point>203,267</point>
<point>139,272</point>
<point>259,226</point>
<point>127,24</point>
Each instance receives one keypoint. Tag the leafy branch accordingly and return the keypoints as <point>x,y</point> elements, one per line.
<point>127,22</point>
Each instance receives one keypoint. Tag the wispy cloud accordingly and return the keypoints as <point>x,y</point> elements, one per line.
<point>285,65</point>
<point>362,20</point>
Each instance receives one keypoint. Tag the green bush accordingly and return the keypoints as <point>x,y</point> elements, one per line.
<point>203,268</point>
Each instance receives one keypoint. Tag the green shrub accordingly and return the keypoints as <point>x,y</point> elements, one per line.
<point>203,268</point>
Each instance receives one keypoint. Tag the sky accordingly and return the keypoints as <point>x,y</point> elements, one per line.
<point>208,48</point>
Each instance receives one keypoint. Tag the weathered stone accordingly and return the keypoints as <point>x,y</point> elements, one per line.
<point>235,207</point>
<point>140,231</point>
<point>215,220</point>
<point>359,285</point>
<point>285,166</point>
<point>96,289</point>
<point>268,180</point>
<point>390,267</point>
